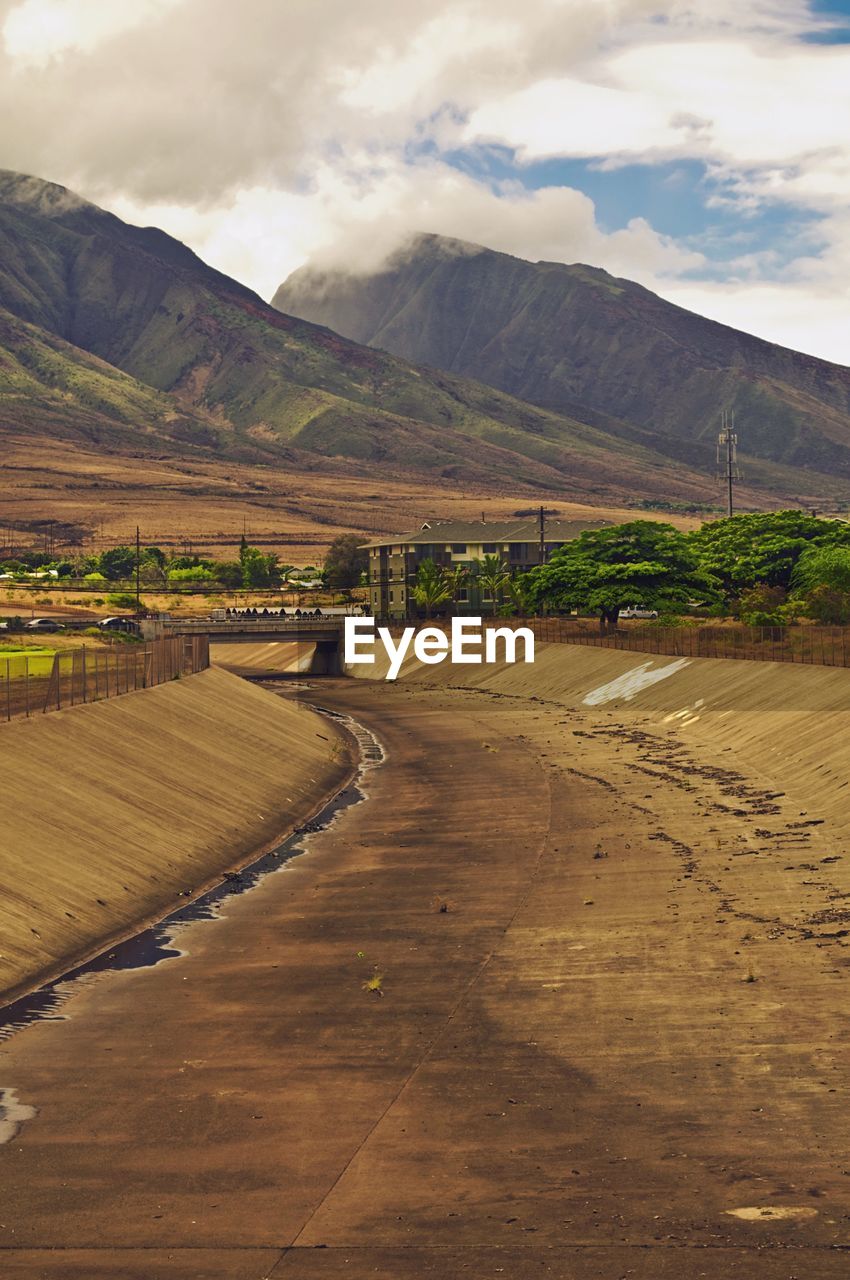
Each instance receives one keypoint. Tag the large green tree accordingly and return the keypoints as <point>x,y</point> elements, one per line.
<point>117,563</point>
<point>259,570</point>
<point>821,583</point>
<point>641,563</point>
<point>762,549</point>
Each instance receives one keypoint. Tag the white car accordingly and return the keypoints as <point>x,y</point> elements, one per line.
<point>634,611</point>
<point>44,624</point>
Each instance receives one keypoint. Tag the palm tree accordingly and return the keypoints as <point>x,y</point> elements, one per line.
<point>520,594</point>
<point>456,579</point>
<point>493,577</point>
<point>431,588</point>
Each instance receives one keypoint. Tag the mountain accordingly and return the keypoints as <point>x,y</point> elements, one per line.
<point>209,367</point>
<point>580,342</point>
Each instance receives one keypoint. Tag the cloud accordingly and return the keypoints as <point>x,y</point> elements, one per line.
<point>792,314</point>
<point>268,133</point>
<point>37,31</point>
<point>263,235</point>
<point>205,97</point>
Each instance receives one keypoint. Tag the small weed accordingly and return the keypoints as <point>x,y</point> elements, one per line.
<point>373,984</point>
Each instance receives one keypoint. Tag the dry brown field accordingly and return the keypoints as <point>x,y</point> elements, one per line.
<point>96,499</point>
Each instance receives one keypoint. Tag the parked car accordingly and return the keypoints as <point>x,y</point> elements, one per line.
<point>120,623</point>
<point>44,624</point>
<point>634,611</point>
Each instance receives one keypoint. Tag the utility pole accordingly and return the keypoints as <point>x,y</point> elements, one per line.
<point>727,443</point>
<point>138,574</point>
<point>542,537</point>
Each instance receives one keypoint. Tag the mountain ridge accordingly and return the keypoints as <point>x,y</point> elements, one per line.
<point>577,340</point>
<point>247,381</point>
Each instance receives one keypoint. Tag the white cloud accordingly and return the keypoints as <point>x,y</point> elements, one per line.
<point>267,133</point>
<point>781,109</point>
<point>263,235</point>
<point>794,315</point>
<point>36,31</point>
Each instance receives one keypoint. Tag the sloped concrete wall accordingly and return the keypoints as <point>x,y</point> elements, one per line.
<point>109,811</point>
<point>790,722</point>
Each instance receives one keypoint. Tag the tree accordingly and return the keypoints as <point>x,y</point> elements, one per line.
<point>520,593</point>
<point>117,563</point>
<point>821,580</point>
<point>430,589</point>
<point>641,563</point>
<point>763,606</point>
<point>229,573</point>
<point>492,577</point>
<point>456,579</point>
<point>259,570</point>
<point>346,561</point>
<point>747,551</point>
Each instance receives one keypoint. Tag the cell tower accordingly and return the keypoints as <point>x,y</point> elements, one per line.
<point>727,454</point>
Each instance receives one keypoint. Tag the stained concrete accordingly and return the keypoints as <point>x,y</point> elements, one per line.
<point>611,1019</point>
<point>111,810</point>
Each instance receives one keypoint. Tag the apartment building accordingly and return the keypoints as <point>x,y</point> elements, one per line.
<point>394,562</point>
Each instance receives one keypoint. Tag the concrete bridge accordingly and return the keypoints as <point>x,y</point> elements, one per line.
<point>325,634</point>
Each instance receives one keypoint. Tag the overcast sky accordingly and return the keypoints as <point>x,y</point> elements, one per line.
<point>699,146</point>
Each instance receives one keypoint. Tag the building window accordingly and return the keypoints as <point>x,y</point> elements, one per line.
<point>463,595</point>
<point>490,549</point>
<point>458,548</point>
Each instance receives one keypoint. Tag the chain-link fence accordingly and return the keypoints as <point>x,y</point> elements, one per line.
<point>821,646</point>
<point>34,683</point>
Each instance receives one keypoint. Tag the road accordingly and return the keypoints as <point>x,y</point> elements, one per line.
<point>608,1038</point>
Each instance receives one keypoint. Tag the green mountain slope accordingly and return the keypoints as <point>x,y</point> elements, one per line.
<point>243,380</point>
<point>579,342</point>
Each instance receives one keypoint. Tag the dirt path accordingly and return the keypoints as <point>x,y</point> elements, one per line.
<point>626,1026</point>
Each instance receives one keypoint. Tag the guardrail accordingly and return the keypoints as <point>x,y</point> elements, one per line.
<point>230,626</point>
<point>33,684</point>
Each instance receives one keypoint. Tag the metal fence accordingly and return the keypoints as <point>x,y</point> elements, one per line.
<point>820,646</point>
<point>32,684</point>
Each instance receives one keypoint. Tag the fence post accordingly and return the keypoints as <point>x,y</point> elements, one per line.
<point>85,680</point>
<point>52,680</point>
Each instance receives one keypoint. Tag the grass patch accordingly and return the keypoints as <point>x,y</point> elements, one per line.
<point>37,659</point>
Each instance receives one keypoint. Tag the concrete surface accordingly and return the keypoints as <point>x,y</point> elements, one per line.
<point>110,810</point>
<point>618,1051</point>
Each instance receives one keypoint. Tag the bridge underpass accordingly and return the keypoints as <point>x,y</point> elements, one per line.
<point>260,646</point>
